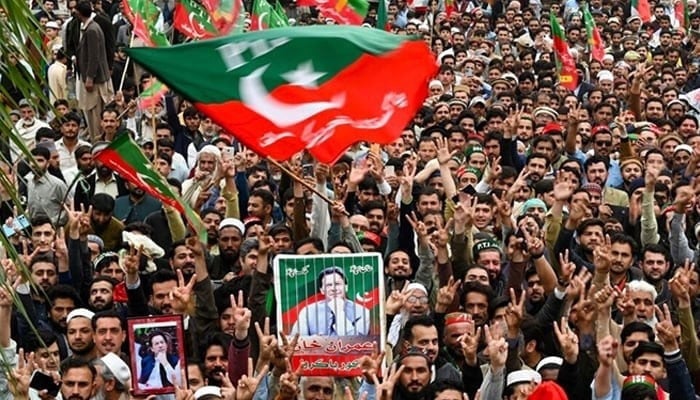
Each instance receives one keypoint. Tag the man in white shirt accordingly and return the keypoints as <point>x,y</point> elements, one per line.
<point>57,76</point>
<point>70,126</point>
<point>26,128</point>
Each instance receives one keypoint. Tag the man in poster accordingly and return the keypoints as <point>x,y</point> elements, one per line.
<point>335,315</point>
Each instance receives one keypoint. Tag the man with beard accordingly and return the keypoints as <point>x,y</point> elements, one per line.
<point>110,332</point>
<point>535,292</point>
<point>103,223</point>
<point>420,333</point>
<point>104,180</point>
<point>459,329</point>
<point>397,269</point>
<point>80,334</point>
<point>135,206</point>
<point>211,219</point>
<point>115,378</point>
<point>375,211</point>
<point>45,193</point>
<point>83,160</point>
<point>537,165</point>
<point>214,352</point>
<point>414,380</point>
<point>655,264</point>
<point>203,180</point>
<point>163,282</point>
<point>597,168</point>
<point>181,258</point>
<point>230,238</point>
<point>68,144</point>
<point>487,253</point>
<point>78,380</point>
<point>622,251</point>
<point>101,294</point>
<point>476,299</point>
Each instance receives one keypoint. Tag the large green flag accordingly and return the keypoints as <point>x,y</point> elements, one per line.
<point>265,16</point>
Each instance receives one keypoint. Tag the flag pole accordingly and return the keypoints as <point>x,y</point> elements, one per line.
<point>301,181</point>
<point>126,64</point>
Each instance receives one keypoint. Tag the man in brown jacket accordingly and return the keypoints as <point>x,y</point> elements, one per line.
<point>95,84</point>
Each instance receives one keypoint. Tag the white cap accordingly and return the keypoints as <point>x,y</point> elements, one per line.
<point>118,368</point>
<point>549,362</point>
<point>523,376</point>
<point>435,83</point>
<point>605,75</point>
<point>683,147</point>
<point>52,25</point>
<point>477,100</point>
<point>236,223</point>
<point>80,312</point>
<point>207,391</point>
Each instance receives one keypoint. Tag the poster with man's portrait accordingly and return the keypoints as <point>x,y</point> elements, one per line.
<point>335,302</point>
<point>158,362</point>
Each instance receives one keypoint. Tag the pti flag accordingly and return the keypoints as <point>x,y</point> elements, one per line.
<point>153,93</point>
<point>595,42</point>
<point>193,21</point>
<point>264,16</point>
<point>345,12</point>
<point>568,77</point>
<point>319,88</point>
<point>143,15</point>
<point>335,302</point>
<point>124,157</point>
<point>226,14</point>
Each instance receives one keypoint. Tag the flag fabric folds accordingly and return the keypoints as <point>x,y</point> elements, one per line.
<point>143,15</point>
<point>595,41</point>
<point>568,77</point>
<point>320,88</point>
<point>124,157</point>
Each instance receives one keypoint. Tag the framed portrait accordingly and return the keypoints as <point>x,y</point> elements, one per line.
<point>335,302</point>
<point>158,361</point>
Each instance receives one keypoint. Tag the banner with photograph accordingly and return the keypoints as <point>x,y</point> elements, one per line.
<point>335,302</point>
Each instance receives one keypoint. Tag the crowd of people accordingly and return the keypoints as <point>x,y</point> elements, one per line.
<point>538,242</point>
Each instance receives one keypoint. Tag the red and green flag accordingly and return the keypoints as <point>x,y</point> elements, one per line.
<point>143,15</point>
<point>595,41</point>
<point>641,9</point>
<point>568,77</point>
<point>344,12</point>
<point>226,14</point>
<point>152,94</point>
<point>193,21</point>
<point>124,157</point>
<point>449,7</point>
<point>264,16</point>
<point>319,88</point>
<point>681,13</point>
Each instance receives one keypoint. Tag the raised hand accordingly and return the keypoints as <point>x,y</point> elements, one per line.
<point>568,341</point>
<point>419,227</point>
<point>132,260</point>
<point>396,300</point>
<point>386,389</point>
<point>497,348</point>
<point>371,364</point>
<point>607,350</point>
<point>289,383</point>
<point>469,342</point>
<point>444,155</point>
<point>268,344</point>
<point>680,285</point>
<point>563,187</point>
<point>241,317</point>
<point>664,329</point>
<point>358,172</point>
<point>21,375</point>
<point>602,256</point>
<point>248,384</point>
<point>181,296</point>
<point>514,313</point>
<point>573,115</point>
<point>285,352</point>
<point>605,298</point>
<point>446,295</point>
